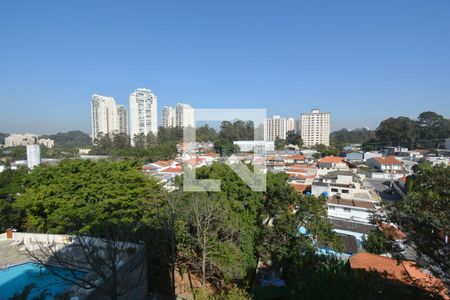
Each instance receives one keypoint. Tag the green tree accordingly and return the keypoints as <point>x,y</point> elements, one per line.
<point>139,140</point>
<point>424,214</point>
<point>206,134</point>
<point>376,242</point>
<point>11,185</point>
<point>280,144</point>
<point>294,139</point>
<point>75,195</point>
<point>70,139</point>
<point>401,131</point>
<point>432,129</point>
<point>326,150</point>
<point>120,141</point>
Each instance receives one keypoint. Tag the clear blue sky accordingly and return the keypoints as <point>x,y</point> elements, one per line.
<point>360,60</point>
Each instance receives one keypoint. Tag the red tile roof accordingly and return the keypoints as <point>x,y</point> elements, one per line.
<point>296,157</point>
<point>163,163</point>
<point>403,271</point>
<point>300,187</point>
<point>172,170</point>
<point>388,160</point>
<point>332,159</point>
<point>391,231</point>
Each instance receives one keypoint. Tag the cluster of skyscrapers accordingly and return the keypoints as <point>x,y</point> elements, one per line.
<point>108,117</point>
<point>313,126</point>
<point>182,115</point>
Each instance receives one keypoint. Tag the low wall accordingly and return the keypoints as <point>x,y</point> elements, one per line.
<point>39,237</point>
<point>385,176</point>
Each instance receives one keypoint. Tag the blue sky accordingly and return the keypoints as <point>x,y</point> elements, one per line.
<point>360,60</point>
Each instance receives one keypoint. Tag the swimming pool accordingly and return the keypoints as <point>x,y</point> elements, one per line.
<point>15,278</point>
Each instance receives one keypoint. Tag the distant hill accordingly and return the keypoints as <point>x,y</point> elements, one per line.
<point>2,137</point>
<point>70,139</point>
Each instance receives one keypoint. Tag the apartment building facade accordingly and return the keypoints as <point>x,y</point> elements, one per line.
<point>315,128</point>
<point>143,112</point>
<point>107,117</point>
<point>275,127</point>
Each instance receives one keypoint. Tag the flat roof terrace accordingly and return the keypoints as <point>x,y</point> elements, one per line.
<point>10,254</point>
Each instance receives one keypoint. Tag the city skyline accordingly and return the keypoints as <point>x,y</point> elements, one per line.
<point>374,59</point>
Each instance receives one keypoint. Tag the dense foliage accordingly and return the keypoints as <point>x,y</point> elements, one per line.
<point>376,242</point>
<point>76,195</point>
<point>429,130</point>
<point>70,139</point>
<point>425,214</point>
<point>345,137</point>
<point>11,185</point>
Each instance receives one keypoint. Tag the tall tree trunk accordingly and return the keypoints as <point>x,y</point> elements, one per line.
<point>203,267</point>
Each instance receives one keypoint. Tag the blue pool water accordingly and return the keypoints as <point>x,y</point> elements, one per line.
<point>14,279</point>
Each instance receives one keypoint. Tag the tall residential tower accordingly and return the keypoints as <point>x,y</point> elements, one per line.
<point>275,127</point>
<point>184,115</point>
<point>104,116</point>
<point>315,128</point>
<point>122,119</point>
<point>180,116</point>
<point>143,112</point>
<point>168,117</point>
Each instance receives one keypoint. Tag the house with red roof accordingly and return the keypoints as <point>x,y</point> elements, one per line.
<point>330,164</point>
<point>399,272</point>
<point>294,159</point>
<point>385,164</point>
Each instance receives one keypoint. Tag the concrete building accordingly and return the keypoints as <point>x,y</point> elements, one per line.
<point>143,112</point>
<point>356,156</point>
<point>20,139</point>
<point>27,139</point>
<point>371,154</point>
<point>315,128</point>
<point>331,163</point>
<point>168,117</point>
<point>104,116</point>
<point>275,127</point>
<point>33,156</point>
<point>290,126</point>
<point>385,164</point>
<point>122,119</point>
<point>249,146</point>
<point>184,115</point>
<point>351,210</point>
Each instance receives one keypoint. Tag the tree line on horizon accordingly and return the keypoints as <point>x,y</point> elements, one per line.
<point>429,130</point>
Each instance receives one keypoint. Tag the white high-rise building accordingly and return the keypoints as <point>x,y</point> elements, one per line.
<point>290,126</point>
<point>168,117</point>
<point>274,127</point>
<point>104,116</point>
<point>122,119</point>
<point>33,156</point>
<point>143,112</point>
<point>315,128</point>
<point>184,115</point>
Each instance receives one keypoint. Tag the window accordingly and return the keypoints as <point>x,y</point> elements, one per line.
<point>334,190</point>
<point>347,209</point>
<point>345,191</point>
<point>331,207</point>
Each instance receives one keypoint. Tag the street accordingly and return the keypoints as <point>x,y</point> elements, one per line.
<point>386,194</point>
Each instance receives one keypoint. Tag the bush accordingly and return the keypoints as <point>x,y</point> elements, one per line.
<point>376,242</point>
